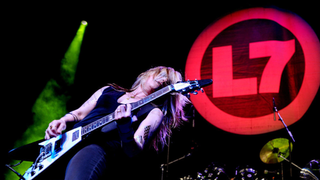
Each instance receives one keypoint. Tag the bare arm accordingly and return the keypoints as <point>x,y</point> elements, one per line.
<point>148,127</point>
<point>57,126</point>
<point>86,107</point>
<point>134,142</point>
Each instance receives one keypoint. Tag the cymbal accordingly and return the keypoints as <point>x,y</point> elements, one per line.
<point>270,151</point>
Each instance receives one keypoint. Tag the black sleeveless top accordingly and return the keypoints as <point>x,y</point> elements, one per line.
<point>106,104</point>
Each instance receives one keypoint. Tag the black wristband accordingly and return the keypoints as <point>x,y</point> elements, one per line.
<point>124,124</point>
<point>125,130</point>
<point>126,134</point>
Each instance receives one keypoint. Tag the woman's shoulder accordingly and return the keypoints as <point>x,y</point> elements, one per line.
<point>105,88</point>
<point>149,108</point>
<point>156,111</point>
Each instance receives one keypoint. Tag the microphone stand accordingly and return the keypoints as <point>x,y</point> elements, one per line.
<point>162,166</point>
<point>169,163</point>
<point>290,134</point>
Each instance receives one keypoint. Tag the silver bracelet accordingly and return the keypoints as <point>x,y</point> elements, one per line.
<point>75,118</point>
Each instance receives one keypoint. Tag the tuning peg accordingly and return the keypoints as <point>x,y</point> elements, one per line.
<point>202,90</point>
<point>197,83</point>
<point>194,92</point>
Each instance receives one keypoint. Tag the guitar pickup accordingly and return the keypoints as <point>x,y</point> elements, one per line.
<point>75,135</point>
<point>57,146</point>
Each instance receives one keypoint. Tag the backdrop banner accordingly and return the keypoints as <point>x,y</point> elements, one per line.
<point>254,55</point>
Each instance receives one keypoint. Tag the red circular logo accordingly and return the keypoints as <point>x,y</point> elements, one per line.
<point>252,56</point>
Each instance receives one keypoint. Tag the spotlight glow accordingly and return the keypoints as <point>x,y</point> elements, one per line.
<point>84,22</point>
<point>52,101</point>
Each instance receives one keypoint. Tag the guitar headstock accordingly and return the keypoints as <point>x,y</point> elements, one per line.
<point>191,86</point>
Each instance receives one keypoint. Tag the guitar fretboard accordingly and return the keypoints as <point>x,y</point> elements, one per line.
<point>110,117</point>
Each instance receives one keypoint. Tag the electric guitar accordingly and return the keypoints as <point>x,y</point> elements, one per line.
<point>54,148</point>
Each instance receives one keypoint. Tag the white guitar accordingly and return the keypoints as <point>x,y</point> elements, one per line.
<point>54,148</point>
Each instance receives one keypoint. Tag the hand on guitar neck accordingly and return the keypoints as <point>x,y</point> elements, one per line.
<point>122,112</point>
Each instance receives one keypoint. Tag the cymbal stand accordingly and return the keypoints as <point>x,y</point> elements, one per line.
<point>279,155</point>
<point>290,134</point>
<point>301,169</point>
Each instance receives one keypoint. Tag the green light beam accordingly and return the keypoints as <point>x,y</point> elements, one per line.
<point>51,103</point>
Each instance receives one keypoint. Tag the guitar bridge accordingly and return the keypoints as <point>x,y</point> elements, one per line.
<point>46,151</point>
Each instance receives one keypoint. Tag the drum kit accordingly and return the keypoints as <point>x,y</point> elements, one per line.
<point>273,152</point>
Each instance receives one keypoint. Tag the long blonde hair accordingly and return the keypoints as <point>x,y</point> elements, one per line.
<point>172,108</point>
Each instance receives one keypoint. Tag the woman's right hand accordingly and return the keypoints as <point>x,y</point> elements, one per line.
<point>55,128</point>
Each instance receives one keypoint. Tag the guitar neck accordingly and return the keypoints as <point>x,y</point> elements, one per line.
<point>136,105</point>
<point>151,97</point>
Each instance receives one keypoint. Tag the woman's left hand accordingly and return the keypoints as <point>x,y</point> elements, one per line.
<point>123,112</point>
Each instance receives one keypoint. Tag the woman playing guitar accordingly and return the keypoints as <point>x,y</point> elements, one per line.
<point>96,159</point>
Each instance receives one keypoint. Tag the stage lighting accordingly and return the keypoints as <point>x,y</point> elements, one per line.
<point>52,101</point>
<point>84,22</point>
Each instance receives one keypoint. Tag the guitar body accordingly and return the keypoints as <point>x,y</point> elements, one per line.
<point>51,150</point>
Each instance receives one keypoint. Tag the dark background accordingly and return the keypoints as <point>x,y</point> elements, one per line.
<point>121,41</point>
